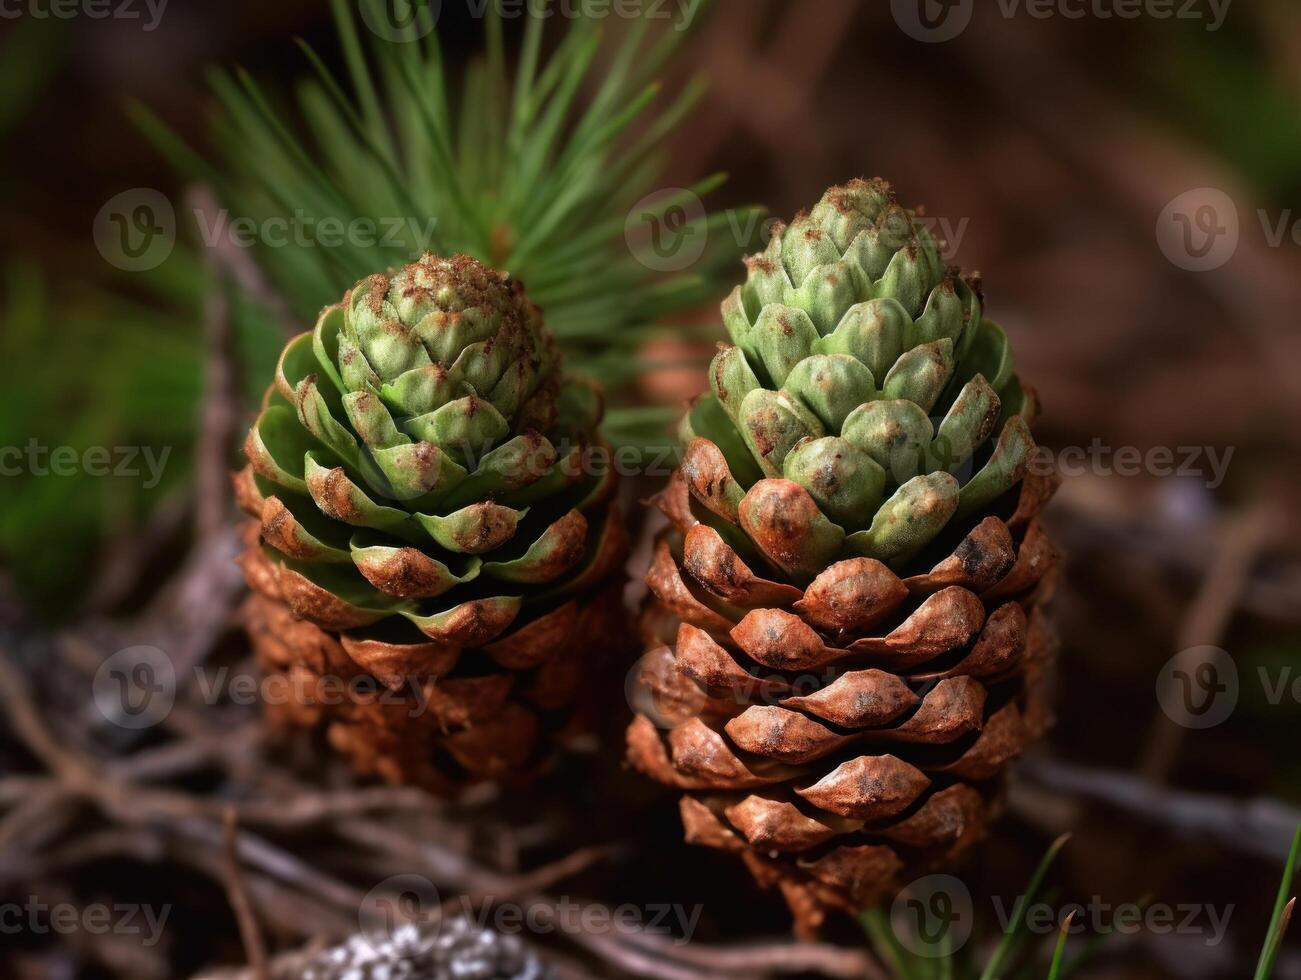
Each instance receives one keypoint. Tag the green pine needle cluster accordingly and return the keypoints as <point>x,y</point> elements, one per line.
<point>1015,954</point>
<point>532,169</point>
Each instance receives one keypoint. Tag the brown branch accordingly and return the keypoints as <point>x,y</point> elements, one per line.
<point>236,891</point>
<point>238,264</point>
<point>769,957</point>
<point>1239,543</point>
<point>1261,827</point>
<point>221,395</point>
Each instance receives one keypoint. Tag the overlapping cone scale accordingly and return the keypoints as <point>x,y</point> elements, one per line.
<point>847,644</point>
<point>432,527</point>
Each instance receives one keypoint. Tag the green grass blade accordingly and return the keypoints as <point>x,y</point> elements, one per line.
<point>1282,914</point>
<point>1008,942</point>
<point>877,926</point>
<point>1060,953</point>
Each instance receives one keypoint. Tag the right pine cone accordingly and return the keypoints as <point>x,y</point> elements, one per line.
<point>848,642</point>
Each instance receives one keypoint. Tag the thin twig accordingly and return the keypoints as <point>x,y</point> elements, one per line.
<point>220,392</point>
<point>249,931</point>
<point>1261,827</point>
<point>1240,542</point>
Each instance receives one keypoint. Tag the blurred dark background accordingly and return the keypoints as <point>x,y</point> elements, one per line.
<point>1070,160</point>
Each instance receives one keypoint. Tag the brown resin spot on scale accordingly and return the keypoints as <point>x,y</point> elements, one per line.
<point>779,515</point>
<point>702,827</point>
<point>565,541</point>
<point>707,475</point>
<point>777,824</point>
<point>247,495</point>
<point>782,641</point>
<point>333,493</point>
<point>496,748</point>
<point>852,595</point>
<point>697,750</point>
<point>865,872</point>
<point>647,754</point>
<point>999,743</point>
<point>379,285</point>
<point>536,641</point>
<point>281,530</point>
<point>320,606</point>
<point>859,699</point>
<point>474,623</point>
<point>942,819</point>
<point>456,702</point>
<point>395,664</point>
<point>980,560</point>
<point>945,621</point>
<point>776,733</point>
<point>868,788</point>
<point>665,581</point>
<point>485,527</point>
<point>709,561</point>
<point>953,708</point>
<point>407,573</point>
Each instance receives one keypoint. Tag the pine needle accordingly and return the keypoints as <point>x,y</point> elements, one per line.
<point>531,174</point>
<point>1019,909</point>
<point>1282,914</point>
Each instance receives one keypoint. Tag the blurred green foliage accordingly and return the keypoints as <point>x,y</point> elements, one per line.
<point>90,368</point>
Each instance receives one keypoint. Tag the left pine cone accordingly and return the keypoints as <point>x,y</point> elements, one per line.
<point>435,552</point>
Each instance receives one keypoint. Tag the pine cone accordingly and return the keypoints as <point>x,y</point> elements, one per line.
<point>855,566</point>
<point>435,547</point>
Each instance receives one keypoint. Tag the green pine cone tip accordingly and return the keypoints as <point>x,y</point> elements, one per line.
<point>865,372</point>
<point>422,458</point>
